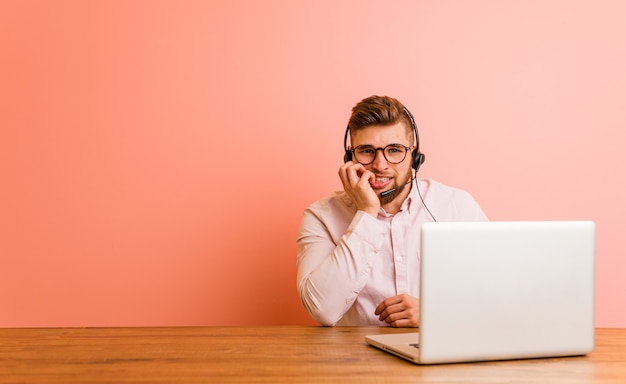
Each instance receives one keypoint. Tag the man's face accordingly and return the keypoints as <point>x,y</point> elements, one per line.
<point>388,175</point>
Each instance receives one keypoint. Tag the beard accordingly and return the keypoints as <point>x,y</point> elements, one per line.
<point>388,198</point>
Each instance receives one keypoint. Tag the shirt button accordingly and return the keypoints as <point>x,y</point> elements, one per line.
<point>399,258</point>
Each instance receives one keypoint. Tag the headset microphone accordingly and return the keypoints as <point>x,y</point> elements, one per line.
<point>385,193</point>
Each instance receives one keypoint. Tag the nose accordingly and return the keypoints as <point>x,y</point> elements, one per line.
<point>380,162</point>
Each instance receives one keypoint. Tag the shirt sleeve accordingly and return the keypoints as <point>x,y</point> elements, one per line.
<point>452,204</point>
<point>334,264</point>
<point>467,209</point>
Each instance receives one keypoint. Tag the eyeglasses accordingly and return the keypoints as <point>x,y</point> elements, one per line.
<point>366,154</point>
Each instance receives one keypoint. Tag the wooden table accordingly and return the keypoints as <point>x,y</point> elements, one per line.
<point>281,354</point>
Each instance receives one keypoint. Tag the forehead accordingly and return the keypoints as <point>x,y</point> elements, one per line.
<point>382,135</point>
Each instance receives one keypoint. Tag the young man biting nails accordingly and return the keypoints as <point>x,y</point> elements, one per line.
<point>358,249</point>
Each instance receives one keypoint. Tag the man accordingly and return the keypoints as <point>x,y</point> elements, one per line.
<point>358,249</point>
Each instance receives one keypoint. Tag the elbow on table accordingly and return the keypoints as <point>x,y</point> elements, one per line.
<point>323,318</point>
<point>326,321</point>
<point>313,305</point>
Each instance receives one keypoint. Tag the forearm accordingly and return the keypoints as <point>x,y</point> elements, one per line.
<point>332,272</point>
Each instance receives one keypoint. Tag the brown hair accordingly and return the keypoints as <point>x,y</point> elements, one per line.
<point>379,110</point>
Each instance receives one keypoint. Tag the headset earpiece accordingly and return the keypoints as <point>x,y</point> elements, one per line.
<point>348,153</point>
<point>417,159</point>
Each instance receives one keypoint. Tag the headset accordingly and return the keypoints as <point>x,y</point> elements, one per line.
<point>417,157</point>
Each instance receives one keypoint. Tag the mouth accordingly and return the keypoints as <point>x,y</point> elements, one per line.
<point>381,182</point>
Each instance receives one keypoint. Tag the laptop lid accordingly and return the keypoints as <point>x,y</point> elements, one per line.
<point>506,290</point>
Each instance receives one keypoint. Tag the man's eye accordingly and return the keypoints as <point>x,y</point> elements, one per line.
<point>365,151</point>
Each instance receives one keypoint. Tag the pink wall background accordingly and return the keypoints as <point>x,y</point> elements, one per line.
<point>156,156</point>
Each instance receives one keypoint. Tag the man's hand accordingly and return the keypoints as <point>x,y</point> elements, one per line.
<point>399,311</point>
<point>356,182</point>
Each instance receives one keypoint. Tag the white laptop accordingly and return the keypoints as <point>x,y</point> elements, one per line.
<point>501,290</point>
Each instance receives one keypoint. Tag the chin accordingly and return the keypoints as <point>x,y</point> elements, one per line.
<point>392,196</point>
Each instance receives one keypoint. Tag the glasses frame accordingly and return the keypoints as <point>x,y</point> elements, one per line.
<point>406,150</point>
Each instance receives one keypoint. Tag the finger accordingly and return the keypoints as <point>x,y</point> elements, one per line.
<point>404,318</point>
<point>355,172</point>
<point>386,303</point>
<point>343,171</point>
<point>366,178</point>
<point>392,312</point>
<point>389,301</point>
<point>405,323</point>
<point>397,304</point>
<point>347,176</point>
<point>394,317</point>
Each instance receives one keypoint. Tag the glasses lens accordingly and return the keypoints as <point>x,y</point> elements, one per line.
<point>364,154</point>
<point>395,153</point>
